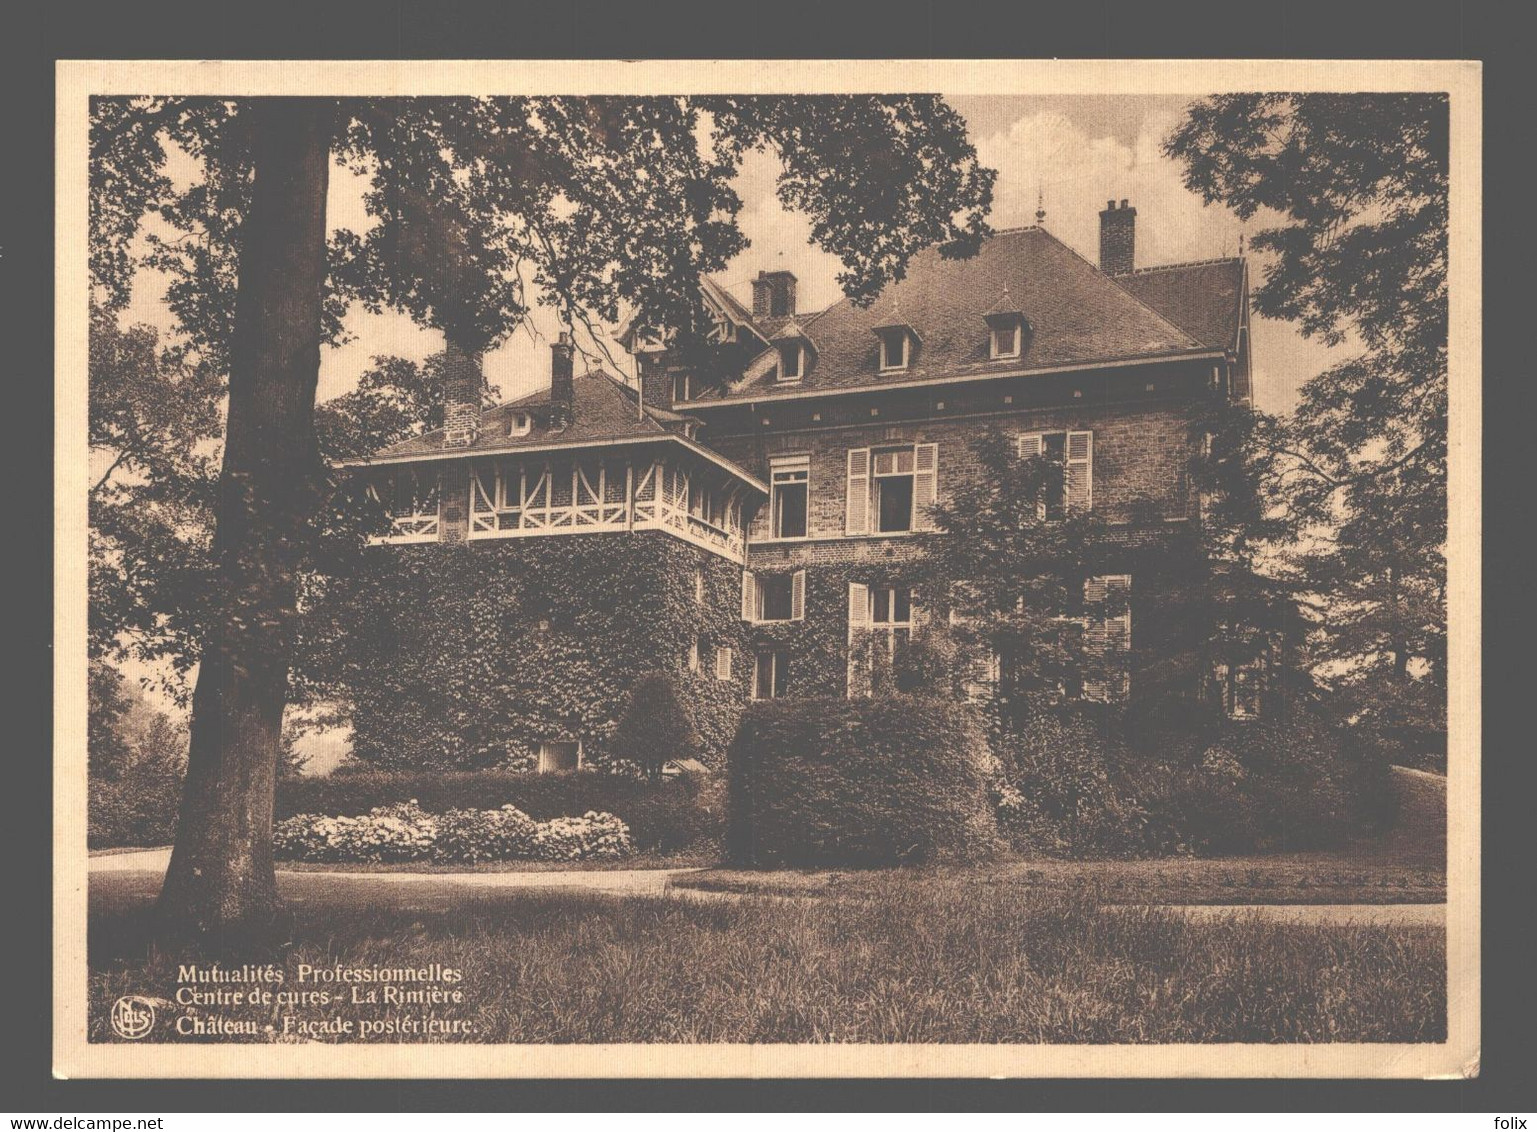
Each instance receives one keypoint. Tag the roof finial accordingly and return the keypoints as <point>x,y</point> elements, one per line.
<point>1040,204</point>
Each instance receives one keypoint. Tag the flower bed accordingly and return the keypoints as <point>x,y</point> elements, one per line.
<point>406,832</point>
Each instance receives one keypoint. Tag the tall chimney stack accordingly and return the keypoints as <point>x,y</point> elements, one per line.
<point>562,390</point>
<point>1118,239</point>
<point>773,294</point>
<point>463,389</point>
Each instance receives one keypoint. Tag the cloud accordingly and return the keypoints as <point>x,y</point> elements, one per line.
<point>1046,156</point>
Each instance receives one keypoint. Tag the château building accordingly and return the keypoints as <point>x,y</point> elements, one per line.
<point>791,479</point>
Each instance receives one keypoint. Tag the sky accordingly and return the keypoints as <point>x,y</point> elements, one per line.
<point>1070,153</point>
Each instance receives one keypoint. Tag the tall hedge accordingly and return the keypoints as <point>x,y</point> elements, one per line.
<point>864,782</point>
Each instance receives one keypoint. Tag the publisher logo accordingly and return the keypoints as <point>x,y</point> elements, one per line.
<point>133,1017</point>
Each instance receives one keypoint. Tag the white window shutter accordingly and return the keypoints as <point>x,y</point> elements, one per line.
<point>798,596</point>
<point>857,510</point>
<point>925,484</point>
<point>1080,470</point>
<point>859,605</point>
<point>1109,635</point>
<point>749,596</point>
<point>723,663</point>
<point>693,655</point>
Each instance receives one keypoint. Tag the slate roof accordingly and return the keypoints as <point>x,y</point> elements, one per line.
<point>603,409</point>
<point>1076,314</point>
<point>603,412</point>
<point>1203,299</point>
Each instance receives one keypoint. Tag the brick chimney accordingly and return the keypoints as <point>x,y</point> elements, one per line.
<point>773,294</point>
<point>1117,239</point>
<point>562,391</point>
<point>463,386</point>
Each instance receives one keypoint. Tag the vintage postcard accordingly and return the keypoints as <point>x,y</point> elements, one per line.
<point>643,569</point>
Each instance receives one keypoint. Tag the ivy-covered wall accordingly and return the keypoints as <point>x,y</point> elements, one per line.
<point>469,655</point>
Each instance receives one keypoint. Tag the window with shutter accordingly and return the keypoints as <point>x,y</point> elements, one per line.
<point>798,596</point>
<point>857,507</point>
<point>1080,470</point>
<point>749,596</point>
<point>925,485</point>
<point>859,605</point>
<point>1107,636</point>
<point>1069,474</point>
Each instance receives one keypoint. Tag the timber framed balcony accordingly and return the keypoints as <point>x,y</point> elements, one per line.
<point>528,497</point>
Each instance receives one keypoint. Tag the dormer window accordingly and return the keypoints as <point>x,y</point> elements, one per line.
<point>792,361</point>
<point>1004,341</point>
<point>895,346</point>
<point>519,424</point>
<point>1006,328</point>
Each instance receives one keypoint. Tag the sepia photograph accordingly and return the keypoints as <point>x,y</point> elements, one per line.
<point>676,570</point>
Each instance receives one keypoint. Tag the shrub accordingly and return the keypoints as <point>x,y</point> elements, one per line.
<point>408,833</point>
<point>654,731</point>
<point>591,837</point>
<point>386,833</point>
<point>469,836</point>
<point>1071,788</point>
<point>1078,781</point>
<point>893,780</point>
<point>1288,783</point>
<point>663,816</point>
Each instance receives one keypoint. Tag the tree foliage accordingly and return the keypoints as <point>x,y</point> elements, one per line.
<point>1353,191</point>
<point>478,208</point>
<point>654,731</point>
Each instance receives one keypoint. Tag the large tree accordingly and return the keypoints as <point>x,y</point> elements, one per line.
<point>480,208</point>
<point>1352,190</point>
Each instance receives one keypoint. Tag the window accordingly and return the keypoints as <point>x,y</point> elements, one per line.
<point>559,756</point>
<point>891,607</point>
<point>1004,341</point>
<point>771,674</point>
<point>680,386</point>
<point>893,348</point>
<point>790,361</point>
<point>723,663</point>
<point>519,424</point>
<point>1107,636</point>
<point>1242,686</point>
<point>788,487</point>
<point>1069,478</point>
<point>891,489</point>
<point>773,597</point>
<point>881,623</point>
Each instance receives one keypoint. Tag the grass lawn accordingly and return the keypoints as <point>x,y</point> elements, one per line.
<point>1297,878</point>
<point>915,958</point>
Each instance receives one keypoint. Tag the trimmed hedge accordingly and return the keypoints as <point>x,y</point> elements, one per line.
<point>864,782</point>
<point>662,816</point>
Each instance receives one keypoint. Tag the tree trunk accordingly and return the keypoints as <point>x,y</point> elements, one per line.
<point>220,891</point>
